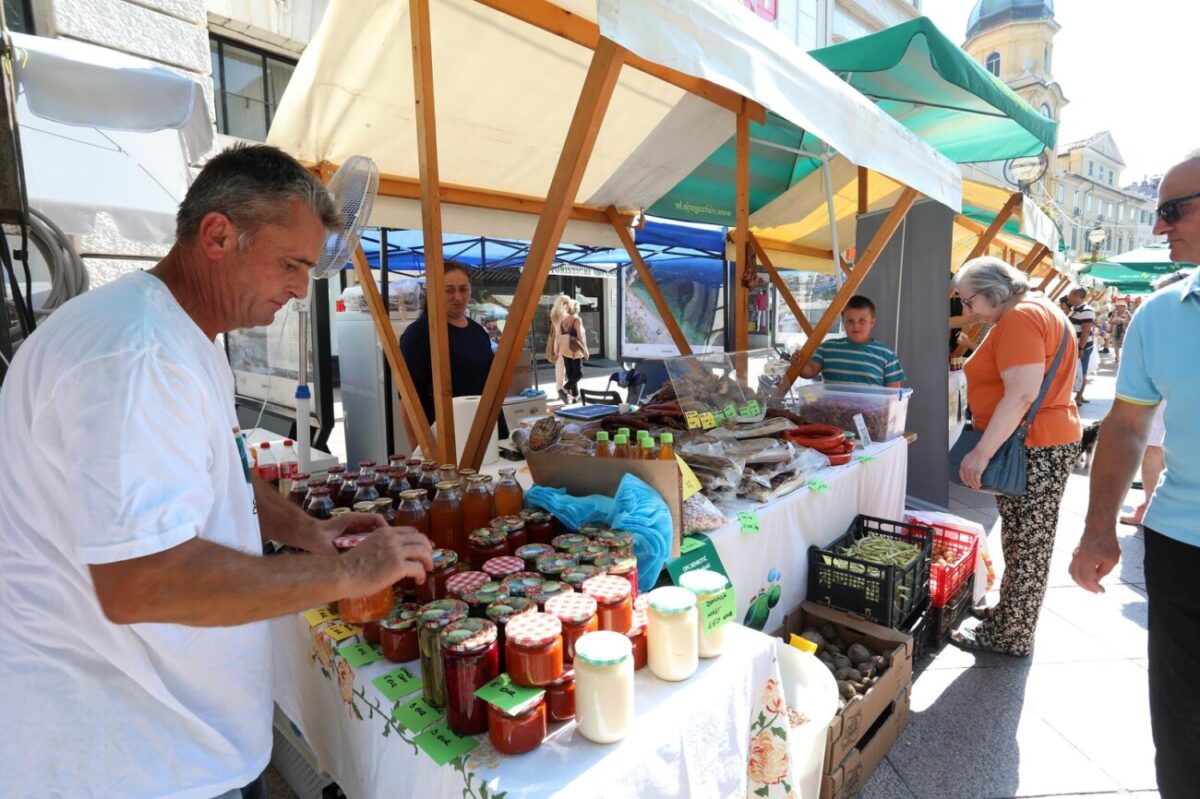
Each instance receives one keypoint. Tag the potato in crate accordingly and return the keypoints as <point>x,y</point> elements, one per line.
<point>952,562</point>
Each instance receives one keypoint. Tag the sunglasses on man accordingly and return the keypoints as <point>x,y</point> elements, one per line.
<point>1169,211</point>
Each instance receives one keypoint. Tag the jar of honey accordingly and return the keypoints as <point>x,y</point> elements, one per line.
<point>509,496</point>
<point>445,518</point>
<point>361,609</point>
<point>477,504</point>
<point>411,511</point>
<point>621,566</point>
<point>513,528</point>
<point>519,732</point>
<point>470,660</point>
<point>531,553</point>
<point>398,633</point>
<point>484,544</point>
<point>445,564</point>
<point>577,614</point>
<point>614,604</point>
<point>564,542</point>
<point>533,649</point>
<point>435,617</point>
<point>539,525</point>
<point>501,567</point>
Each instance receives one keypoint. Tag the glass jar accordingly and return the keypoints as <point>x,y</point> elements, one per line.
<point>548,590</point>
<point>314,484</point>
<point>398,633</point>
<point>531,553</point>
<point>514,530</point>
<point>411,511</point>
<point>591,530</point>
<point>346,491</point>
<point>464,582</point>
<point>520,732</point>
<point>320,504</point>
<point>334,478</point>
<point>470,660</point>
<point>523,584</point>
<point>587,552</point>
<point>366,469</point>
<point>577,615</point>
<point>484,544</point>
<point>445,564</point>
<point>499,613</point>
<point>672,643</point>
<point>298,490</point>
<point>622,566</point>
<point>533,649</point>
<point>604,687</point>
<point>364,507</point>
<point>383,506</point>
<point>637,636</point>
<point>464,478</point>
<point>614,604</point>
<point>552,566</point>
<point>509,496</point>
<point>564,542</point>
<point>366,491</point>
<point>435,616</point>
<point>429,478</point>
<point>396,461</point>
<point>501,567</point>
<point>539,525</point>
<point>478,599</point>
<point>360,609</point>
<point>618,542</point>
<point>706,584</point>
<point>477,504</point>
<point>576,576</point>
<point>445,518</point>
<point>560,697</point>
<point>397,485</point>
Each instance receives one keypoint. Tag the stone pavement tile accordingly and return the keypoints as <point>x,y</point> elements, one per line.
<point>1116,618</point>
<point>1133,553</point>
<point>969,737</point>
<point>885,783</point>
<point>1103,709</point>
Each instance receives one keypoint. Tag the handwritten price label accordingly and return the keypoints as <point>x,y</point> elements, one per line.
<point>730,411</point>
<point>693,420</point>
<point>717,611</point>
<point>443,744</point>
<point>417,714</point>
<point>707,420</point>
<point>396,684</point>
<point>691,483</point>
<point>865,458</point>
<point>749,521</point>
<point>754,408</point>
<point>818,486</point>
<point>507,695</point>
<point>319,616</point>
<point>360,654</point>
<point>689,544</point>
<point>341,631</point>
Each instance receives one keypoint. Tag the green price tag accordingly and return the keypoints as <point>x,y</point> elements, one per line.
<point>730,411</point>
<point>417,714</point>
<point>748,519</point>
<point>696,552</point>
<point>719,415</point>
<point>744,412</point>
<point>341,631</point>
<point>717,611</point>
<point>359,654</point>
<point>443,744</point>
<point>689,544</point>
<point>507,695</point>
<point>865,458</point>
<point>396,684</point>
<point>693,420</point>
<point>818,486</point>
<point>707,420</point>
<point>318,616</point>
<point>753,405</point>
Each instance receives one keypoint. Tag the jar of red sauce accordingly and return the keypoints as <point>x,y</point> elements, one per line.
<point>637,633</point>
<point>514,530</point>
<point>577,615</point>
<point>576,576</point>
<point>618,542</point>
<point>548,590</point>
<point>478,599</point>
<point>533,649</point>
<point>362,608</point>
<point>470,660</point>
<point>501,567</point>
<point>435,617</point>
<point>398,633</point>
<point>464,581</point>
<point>499,613</point>
<point>320,504</point>
<point>614,603</point>
<point>520,732</point>
<point>445,564</point>
<point>564,542</point>
<point>484,544</point>
<point>621,566</point>
<point>587,552</point>
<point>539,525</point>
<point>524,584</point>
<point>530,553</point>
<point>560,697</point>
<point>552,566</point>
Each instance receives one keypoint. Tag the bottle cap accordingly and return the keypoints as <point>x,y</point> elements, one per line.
<point>621,439</point>
<point>667,438</point>
<point>602,436</point>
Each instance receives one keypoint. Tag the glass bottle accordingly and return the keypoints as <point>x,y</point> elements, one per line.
<point>366,469</point>
<point>621,446</point>
<point>366,491</point>
<point>320,506</point>
<point>464,477</point>
<point>299,490</point>
<point>383,506</point>
<point>334,479</point>
<point>345,494</point>
<point>383,479</point>
<point>412,469</point>
<point>666,452</point>
<point>314,484</point>
<point>510,498</point>
<point>429,478</point>
<point>395,462</point>
<point>446,518</point>
<point>604,447</point>
<point>477,504</point>
<point>411,511</point>
<point>448,473</point>
<point>470,660</point>
<point>397,485</point>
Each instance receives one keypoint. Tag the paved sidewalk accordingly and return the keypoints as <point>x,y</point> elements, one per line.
<point>1070,720</point>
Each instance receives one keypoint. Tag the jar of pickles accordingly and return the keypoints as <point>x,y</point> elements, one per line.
<point>464,581</point>
<point>618,542</point>
<point>499,613</point>
<point>672,641</point>
<point>637,633</point>
<point>320,504</point>
<point>564,542</point>
<point>398,633</point>
<point>576,576</point>
<point>604,687</point>
<point>706,584</point>
<point>445,564</point>
<point>411,512</point>
<point>501,567</point>
<point>523,584</point>
<point>470,660</point>
<point>560,697</point>
<point>539,524</point>
<point>435,617</point>
<point>587,552</point>
<point>577,614</point>
<point>552,566</point>
<point>621,566</point>
<point>484,544</point>
<point>549,589</point>
<point>518,732</point>
<point>514,531</point>
<point>614,605</point>
<point>479,598</point>
<point>361,609</point>
<point>530,553</point>
<point>534,650</point>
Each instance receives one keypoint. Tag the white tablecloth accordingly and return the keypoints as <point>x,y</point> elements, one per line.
<point>722,733</point>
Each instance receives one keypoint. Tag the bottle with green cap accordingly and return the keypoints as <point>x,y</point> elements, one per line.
<point>604,447</point>
<point>623,431</point>
<point>646,449</point>
<point>666,452</point>
<point>621,446</point>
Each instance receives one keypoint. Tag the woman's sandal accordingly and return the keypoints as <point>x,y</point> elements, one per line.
<point>966,640</point>
<point>981,612</point>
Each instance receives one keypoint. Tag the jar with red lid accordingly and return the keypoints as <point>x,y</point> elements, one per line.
<point>564,542</point>
<point>539,524</point>
<point>577,615</point>
<point>464,581</point>
<point>397,485</point>
<point>519,732</point>
<point>501,567</point>
<point>435,617</point>
<point>614,603</point>
<point>587,552</point>
<point>484,544</point>
<point>445,564</point>
<point>479,598</point>
<point>334,479</point>
<point>617,542</point>
<point>366,490</point>
<point>552,566</point>
<point>514,529</point>
<point>621,566</point>
<point>530,553</point>
<point>576,576</point>
<point>298,490</point>
<point>560,697</point>
<point>347,489</point>
<point>398,633</point>
<point>320,504</point>
<point>412,472</point>
<point>360,609</point>
<point>470,660</point>
<point>533,649</point>
<point>499,613</point>
<point>429,478</point>
<point>313,484</point>
<point>523,583</point>
<point>549,589</point>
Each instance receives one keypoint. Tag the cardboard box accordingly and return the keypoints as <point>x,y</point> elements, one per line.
<point>849,727</point>
<point>583,476</point>
<point>848,778</point>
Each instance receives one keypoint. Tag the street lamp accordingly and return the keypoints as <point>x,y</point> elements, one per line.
<point>1025,172</point>
<point>1096,237</point>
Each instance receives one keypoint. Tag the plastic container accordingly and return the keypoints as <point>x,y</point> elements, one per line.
<point>614,602</point>
<point>520,732</point>
<point>672,644</point>
<point>398,633</point>
<point>470,660</point>
<point>604,706</point>
<point>268,463</point>
<point>947,617</point>
<point>289,463</point>
<point>370,607</point>
<point>885,410</point>
<point>577,615</point>
<point>534,649</point>
<point>946,579</point>
<point>706,584</point>
<point>436,616</point>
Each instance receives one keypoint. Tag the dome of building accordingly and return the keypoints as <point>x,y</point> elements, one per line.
<point>989,14</point>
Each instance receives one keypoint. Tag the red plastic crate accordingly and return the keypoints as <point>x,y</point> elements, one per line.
<point>945,580</point>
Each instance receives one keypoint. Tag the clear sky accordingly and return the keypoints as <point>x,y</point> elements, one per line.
<point>1130,68</point>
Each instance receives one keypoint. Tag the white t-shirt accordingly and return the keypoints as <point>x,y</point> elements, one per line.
<point>119,440</point>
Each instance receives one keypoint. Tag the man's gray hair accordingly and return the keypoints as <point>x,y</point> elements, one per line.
<point>990,278</point>
<point>253,185</point>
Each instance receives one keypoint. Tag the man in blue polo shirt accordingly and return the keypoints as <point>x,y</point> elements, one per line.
<point>857,358</point>
<point>1161,363</point>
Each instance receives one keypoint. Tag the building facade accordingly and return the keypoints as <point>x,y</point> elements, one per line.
<point>810,24</point>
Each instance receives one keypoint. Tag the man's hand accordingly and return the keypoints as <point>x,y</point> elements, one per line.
<point>388,556</point>
<point>970,471</point>
<point>1096,556</point>
<point>320,541</point>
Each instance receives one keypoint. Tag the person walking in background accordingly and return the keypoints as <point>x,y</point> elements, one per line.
<point>558,312</point>
<point>1004,378</point>
<point>572,345</point>
<point>1083,317</point>
<point>1120,322</point>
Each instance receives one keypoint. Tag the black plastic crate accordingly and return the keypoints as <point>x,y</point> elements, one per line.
<point>948,618</point>
<point>886,595</point>
<point>921,627</point>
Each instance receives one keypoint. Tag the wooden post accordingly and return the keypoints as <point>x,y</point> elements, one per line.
<point>857,275</point>
<point>741,234</point>
<point>990,232</point>
<point>401,378</point>
<point>1034,258</point>
<point>589,113</point>
<point>864,201</point>
<point>431,228</point>
<point>781,286</point>
<point>652,289</point>
<point>1051,276</point>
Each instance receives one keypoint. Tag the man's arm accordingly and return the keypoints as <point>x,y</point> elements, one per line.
<point>280,520</point>
<point>1119,450</point>
<point>1085,335</point>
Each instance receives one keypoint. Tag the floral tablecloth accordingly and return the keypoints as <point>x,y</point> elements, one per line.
<point>722,733</point>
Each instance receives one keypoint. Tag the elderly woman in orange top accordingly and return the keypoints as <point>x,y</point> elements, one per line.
<point>1004,377</point>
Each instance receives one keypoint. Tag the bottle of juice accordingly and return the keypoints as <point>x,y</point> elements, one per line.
<point>624,431</point>
<point>621,446</point>
<point>298,491</point>
<point>429,478</point>
<point>411,511</point>
<point>667,451</point>
<point>604,447</point>
<point>268,464</point>
<point>477,504</point>
<point>289,466</point>
<point>646,449</point>
<point>446,518</point>
<point>448,473</point>
<point>509,498</point>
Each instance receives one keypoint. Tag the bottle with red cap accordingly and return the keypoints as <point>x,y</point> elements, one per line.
<point>289,466</point>
<point>268,464</point>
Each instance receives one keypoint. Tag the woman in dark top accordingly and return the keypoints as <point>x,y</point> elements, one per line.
<point>470,347</point>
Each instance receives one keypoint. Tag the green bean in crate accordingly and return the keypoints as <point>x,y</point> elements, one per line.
<point>879,569</point>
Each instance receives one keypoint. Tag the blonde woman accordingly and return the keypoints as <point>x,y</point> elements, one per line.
<point>557,313</point>
<point>572,345</point>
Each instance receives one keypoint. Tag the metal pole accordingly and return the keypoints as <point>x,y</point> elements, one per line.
<point>833,231</point>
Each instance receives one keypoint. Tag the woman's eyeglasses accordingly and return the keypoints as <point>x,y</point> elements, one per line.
<point>968,300</point>
<point>1169,211</point>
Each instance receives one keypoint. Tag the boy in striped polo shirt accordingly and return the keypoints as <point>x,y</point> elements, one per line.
<point>857,358</point>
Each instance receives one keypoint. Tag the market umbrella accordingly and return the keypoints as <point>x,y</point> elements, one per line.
<point>1154,259</point>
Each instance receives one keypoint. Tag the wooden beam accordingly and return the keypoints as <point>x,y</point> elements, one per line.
<point>789,247</point>
<point>864,201</point>
<point>431,227</point>
<point>741,235</point>
<point>989,233</point>
<point>970,224</point>
<point>401,377</point>
<point>781,286</point>
<point>574,28</point>
<point>1050,276</point>
<point>861,268</point>
<point>589,113</point>
<point>1034,258</point>
<point>664,311</point>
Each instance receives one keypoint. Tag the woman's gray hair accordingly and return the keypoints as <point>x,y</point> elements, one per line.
<point>253,185</point>
<point>990,278</point>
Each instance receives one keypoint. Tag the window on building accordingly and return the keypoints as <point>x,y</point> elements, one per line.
<point>1120,244</point>
<point>1089,204</point>
<point>1062,194</point>
<point>1046,112</point>
<point>1075,202</point>
<point>992,63</point>
<point>18,16</point>
<point>1091,168</point>
<point>1046,58</point>
<point>1110,176</point>
<point>1074,238</point>
<point>247,85</point>
<point>1110,209</point>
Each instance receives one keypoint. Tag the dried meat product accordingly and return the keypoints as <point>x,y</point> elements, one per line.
<point>763,429</point>
<point>700,515</point>
<point>760,450</point>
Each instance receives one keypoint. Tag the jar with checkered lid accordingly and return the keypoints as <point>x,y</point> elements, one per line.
<point>501,567</point>
<point>523,583</point>
<point>435,617</point>
<point>539,525</point>
<point>548,590</point>
<point>462,582</point>
<point>484,544</point>
<point>501,611</point>
<point>534,649</point>
<point>470,660</point>
<point>577,613</point>
<point>613,601</point>
<point>623,566</point>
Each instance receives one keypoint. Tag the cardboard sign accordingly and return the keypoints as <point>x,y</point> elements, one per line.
<point>693,420</point>
<point>507,695</point>
<point>690,543</point>
<point>691,484</point>
<point>396,684</point>
<point>749,521</point>
<point>443,744</point>
<point>359,654</point>
<point>341,631</point>
<point>701,554</point>
<point>417,714</point>
<point>864,435</point>
<point>717,611</point>
<point>817,485</point>
<point>318,616</point>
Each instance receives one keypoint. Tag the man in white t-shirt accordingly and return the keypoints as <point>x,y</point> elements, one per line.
<point>134,651</point>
